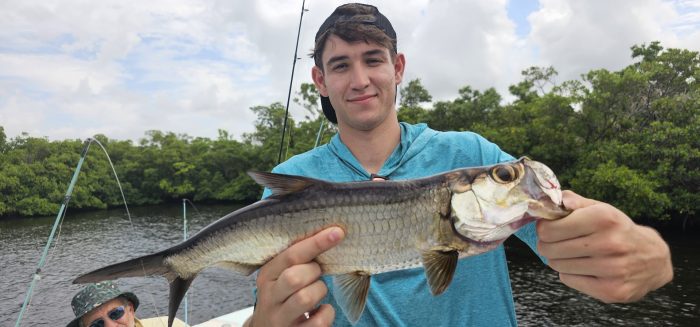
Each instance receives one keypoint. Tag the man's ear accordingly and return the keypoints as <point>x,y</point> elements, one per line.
<point>399,67</point>
<point>319,80</point>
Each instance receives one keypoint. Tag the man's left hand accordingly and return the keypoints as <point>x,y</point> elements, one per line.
<point>600,251</point>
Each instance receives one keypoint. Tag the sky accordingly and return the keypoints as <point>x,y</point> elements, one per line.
<point>71,69</point>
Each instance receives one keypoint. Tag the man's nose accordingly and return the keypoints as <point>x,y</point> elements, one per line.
<point>359,78</point>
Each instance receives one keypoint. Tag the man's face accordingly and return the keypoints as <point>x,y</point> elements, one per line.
<point>360,79</point>
<point>103,312</point>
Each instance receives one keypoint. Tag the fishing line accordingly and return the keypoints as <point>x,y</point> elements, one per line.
<point>195,209</point>
<point>119,184</point>
<point>58,237</point>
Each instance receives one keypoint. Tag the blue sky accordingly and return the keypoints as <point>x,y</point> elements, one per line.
<point>72,69</point>
<point>518,12</point>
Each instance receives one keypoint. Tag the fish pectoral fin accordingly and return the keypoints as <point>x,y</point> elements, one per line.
<point>440,266</point>
<point>281,184</point>
<point>241,268</point>
<point>353,288</point>
<point>178,289</point>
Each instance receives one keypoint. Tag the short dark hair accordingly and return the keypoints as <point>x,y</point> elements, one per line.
<point>355,22</point>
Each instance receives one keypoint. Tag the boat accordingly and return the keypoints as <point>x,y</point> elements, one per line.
<point>233,319</point>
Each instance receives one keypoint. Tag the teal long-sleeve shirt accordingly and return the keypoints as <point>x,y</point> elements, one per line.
<point>480,293</point>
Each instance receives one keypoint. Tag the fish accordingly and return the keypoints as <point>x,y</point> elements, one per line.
<point>391,225</point>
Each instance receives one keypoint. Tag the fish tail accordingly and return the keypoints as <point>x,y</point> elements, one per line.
<point>178,289</point>
<point>150,265</point>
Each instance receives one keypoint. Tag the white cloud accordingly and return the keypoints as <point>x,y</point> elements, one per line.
<point>58,73</point>
<point>577,36</point>
<point>69,69</point>
<point>20,114</point>
<point>464,43</point>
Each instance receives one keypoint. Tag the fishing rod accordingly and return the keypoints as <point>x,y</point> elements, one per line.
<point>291,79</point>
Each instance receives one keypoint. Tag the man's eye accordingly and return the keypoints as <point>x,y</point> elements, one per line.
<point>339,67</point>
<point>374,61</point>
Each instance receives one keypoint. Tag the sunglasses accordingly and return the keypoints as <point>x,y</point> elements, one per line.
<point>115,314</point>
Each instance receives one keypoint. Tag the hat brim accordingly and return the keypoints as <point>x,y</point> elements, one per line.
<point>127,295</point>
<point>328,110</point>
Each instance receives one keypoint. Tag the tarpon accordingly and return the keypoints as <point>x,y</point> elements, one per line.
<point>391,225</point>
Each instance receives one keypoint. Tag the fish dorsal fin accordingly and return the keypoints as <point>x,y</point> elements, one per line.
<point>440,266</point>
<point>353,288</point>
<point>282,184</point>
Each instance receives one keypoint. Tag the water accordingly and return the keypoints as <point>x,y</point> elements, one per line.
<point>92,240</point>
<point>541,300</point>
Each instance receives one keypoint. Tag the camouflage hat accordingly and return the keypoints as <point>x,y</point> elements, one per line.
<point>94,295</point>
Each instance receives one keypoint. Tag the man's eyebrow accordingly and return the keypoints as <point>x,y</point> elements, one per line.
<point>375,52</point>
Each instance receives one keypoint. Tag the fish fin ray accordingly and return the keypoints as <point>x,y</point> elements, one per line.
<point>282,184</point>
<point>178,289</point>
<point>353,288</point>
<point>242,268</point>
<point>440,266</point>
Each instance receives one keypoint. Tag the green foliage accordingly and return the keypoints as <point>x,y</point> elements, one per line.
<point>413,94</point>
<point>627,137</point>
<point>629,190</point>
<point>308,98</point>
<point>35,205</point>
<point>470,108</point>
<point>534,77</point>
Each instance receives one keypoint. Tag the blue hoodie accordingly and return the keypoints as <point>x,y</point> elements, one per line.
<point>480,292</point>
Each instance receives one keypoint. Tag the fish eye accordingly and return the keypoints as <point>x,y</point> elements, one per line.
<point>504,174</point>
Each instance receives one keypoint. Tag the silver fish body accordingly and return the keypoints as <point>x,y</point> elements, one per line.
<point>390,225</point>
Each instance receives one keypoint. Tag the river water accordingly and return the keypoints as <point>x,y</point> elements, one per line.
<point>91,240</point>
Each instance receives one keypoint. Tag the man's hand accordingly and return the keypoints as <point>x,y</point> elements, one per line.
<point>289,285</point>
<point>601,252</point>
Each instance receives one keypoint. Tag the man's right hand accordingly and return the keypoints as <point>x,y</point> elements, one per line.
<point>289,285</point>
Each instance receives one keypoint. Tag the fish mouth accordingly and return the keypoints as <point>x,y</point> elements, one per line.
<point>513,226</point>
<point>545,208</point>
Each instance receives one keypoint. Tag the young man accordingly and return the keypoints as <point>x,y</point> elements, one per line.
<point>597,249</point>
<point>103,304</point>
